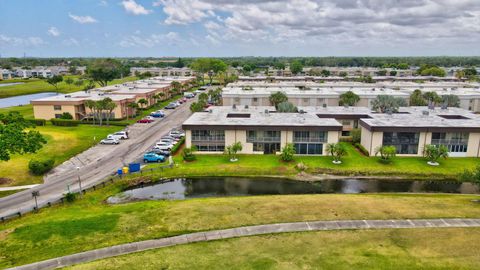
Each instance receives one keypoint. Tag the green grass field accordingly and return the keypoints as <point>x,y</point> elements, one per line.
<point>25,110</point>
<point>89,223</point>
<point>371,249</point>
<point>62,144</point>
<point>353,164</point>
<point>33,86</point>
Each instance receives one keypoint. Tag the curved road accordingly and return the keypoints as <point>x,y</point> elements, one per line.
<point>95,163</point>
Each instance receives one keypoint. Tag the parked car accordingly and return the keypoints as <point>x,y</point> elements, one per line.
<point>177,134</point>
<point>157,115</point>
<point>109,141</point>
<point>145,120</point>
<point>153,157</point>
<point>163,146</point>
<point>184,99</point>
<point>121,135</point>
<point>189,95</point>
<point>171,106</point>
<point>150,118</point>
<point>180,101</point>
<point>164,153</point>
<point>168,137</point>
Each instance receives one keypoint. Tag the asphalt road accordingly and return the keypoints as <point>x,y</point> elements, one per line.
<point>95,164</point>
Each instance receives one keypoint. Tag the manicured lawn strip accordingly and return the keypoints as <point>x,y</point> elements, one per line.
<point>454,248</point>
<point>353,164</point>
<point>25,110</point>
<point>34,86</point>
<point>62,144</point>
<point>89,223</point>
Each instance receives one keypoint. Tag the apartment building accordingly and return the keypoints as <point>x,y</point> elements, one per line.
<point>163,72</point>
<point>6,74</point>
<point>121,94</point>
<point>261,130</point>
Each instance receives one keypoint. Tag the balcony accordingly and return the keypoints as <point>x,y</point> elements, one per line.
<point>208,138</point>
<point>263,139</point>
<point>309,139</point>
<point>450,142</point>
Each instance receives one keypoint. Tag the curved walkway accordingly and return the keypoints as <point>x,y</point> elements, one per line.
<point>248,231</point>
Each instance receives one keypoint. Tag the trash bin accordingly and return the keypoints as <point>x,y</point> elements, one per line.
<point>134,167</point>
<point>119,172</point>
<point>125,170</point>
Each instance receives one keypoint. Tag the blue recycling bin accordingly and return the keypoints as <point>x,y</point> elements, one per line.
<point>134,167</point>
<point>119,171</point>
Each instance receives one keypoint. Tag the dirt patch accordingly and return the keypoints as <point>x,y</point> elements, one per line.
<point>5,233</point>
<point>4,181</point>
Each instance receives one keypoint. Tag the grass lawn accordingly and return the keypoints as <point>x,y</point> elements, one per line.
<point>25,110</point>
<point>9,192</point>
<point>33,86</point>
<point>353,164</point>
<point>89,223</point>
<point>62,144</point>
<point>456,248</point>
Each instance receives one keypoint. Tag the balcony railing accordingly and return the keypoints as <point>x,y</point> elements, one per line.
<point>263,139</point>
<point>310,139</point>
<point>208,138</point>
<point>450,142</point>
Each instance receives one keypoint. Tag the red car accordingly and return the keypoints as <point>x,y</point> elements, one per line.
<point>145,121</point>
<point>184,99</point>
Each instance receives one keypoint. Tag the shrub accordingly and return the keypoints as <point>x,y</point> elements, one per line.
<point>111,123</point>
<point>387,152</point>
<point>232,150</point>
<point>70,197</point>
<point>177,146</point>
<point>38,122</point>
<point>432,152</point>
<point>337,151</point>
<point>40,167</point>
<point>67,116</point>
<point>348,139</point>
<point>356,134</point>
<point>64,122</point>
<point>188,154</point>
<point>471,175</point>
<point>288,152</point>
<point>362,149</point>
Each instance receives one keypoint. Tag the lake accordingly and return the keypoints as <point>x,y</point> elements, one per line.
<point>23,100</point>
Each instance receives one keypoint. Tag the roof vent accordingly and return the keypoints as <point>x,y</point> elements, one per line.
<point>324,105</point>
<point>246,107</point>
<point>266,111</point>
<point>234,106</point>
<point>425,113</point>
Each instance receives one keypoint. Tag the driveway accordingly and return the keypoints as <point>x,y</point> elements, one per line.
<point>96,163</point>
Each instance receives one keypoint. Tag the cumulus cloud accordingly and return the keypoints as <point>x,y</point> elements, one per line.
<point>134,8</point>
<point>149,41</point>
<point>20,41</point>
<point>356,21</point>
<point>53,31</point>
<point>82,19</point>
<point>70,42</point>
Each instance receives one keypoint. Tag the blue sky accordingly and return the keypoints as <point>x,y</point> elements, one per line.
<point>239,27</point>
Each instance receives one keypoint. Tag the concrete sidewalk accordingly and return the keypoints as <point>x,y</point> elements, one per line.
<point>17,187</point>
<point>123,249</point>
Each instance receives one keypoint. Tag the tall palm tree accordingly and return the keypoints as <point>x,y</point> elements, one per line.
<point>90,104</point>
<point>142,102</point>
<point>133,106</point>
<point>109,107</point>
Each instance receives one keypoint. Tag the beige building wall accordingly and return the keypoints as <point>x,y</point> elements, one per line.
<point>473,149</point>
<point>366,139</point>
<point>332,137</point>
<point>188,138</point>
<point>48,111</point>
<point>232,136</point>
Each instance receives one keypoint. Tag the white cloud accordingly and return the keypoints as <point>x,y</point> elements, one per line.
<point>103,3</point>
<point>134,8</point>
<point>170,38</point>
<point>82,19</point>
<point>53,31</point>
<point>20,41</point>
<point>70,42</point>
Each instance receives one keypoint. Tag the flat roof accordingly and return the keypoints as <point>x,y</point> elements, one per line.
<point>226,118</point>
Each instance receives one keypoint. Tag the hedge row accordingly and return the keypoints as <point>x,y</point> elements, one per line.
<point>178,145</point>
<point>111,123</point>
<point>64,122</point>
<point>37,122</point>
<point>362,149</point>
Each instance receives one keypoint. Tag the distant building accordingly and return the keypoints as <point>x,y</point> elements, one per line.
<point>6,74</point>
<point>163,72</point>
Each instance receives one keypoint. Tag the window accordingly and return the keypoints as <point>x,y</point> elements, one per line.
<point>58,116</point>
<point>405,142</point>
<point>263,136</point>
<point>236,99</point>
<point>255,99</point>
<point>305,100</point>
<point>346,122</point>
<point>57,107</point>
<point>309,136</point>
<point>208,135</point>
<point>456,142</point>
<point>309,148</point>
<point>210,147</point>
<point>345,133</point>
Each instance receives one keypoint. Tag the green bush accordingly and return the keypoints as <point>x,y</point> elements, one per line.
<point>188,154</point>
<point>38,122</point>
<point>67,116</point>
<point>111,123</point>
<point>177,146</point>
<point>288,152</point>
<point>40,167</point>
<point>362,149</point>
<point>356,134</point>
<point>70,197</point>
<point>64,122</point>
<point>471,175</point>
<point>346,139</point>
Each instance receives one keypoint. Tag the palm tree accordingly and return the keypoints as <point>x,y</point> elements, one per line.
<point>109,107</point>
<point>176,86</point>
<point>336,150</point>
<point>161,95</point>
<point>90,104</point>
<point>133,106</point>
<point>142,102</point>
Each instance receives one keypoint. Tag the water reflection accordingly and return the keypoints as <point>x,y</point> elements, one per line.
<point>179,189</point>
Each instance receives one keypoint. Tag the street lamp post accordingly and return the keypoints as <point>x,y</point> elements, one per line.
<point>35,194</point>
<point>79,180</point>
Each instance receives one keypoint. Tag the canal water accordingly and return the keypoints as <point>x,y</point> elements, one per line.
<point>23,100</point>
<point>180,189</point>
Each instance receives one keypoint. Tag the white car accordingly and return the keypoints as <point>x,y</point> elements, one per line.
<point>109,141</point>
<point>150,118</point>
<point>164,146</point>
<point>121,135</point>
<point>177,134</point>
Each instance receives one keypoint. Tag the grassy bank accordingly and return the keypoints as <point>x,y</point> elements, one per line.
<point>353,164</point>
<point>33,86</point>
<point>336,250</point>
<point>62,144</point>
<point>90,223</point>
<point>25,110</point>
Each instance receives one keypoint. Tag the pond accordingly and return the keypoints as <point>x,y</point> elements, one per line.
<point>23,100</point>
<point>185,188</point>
